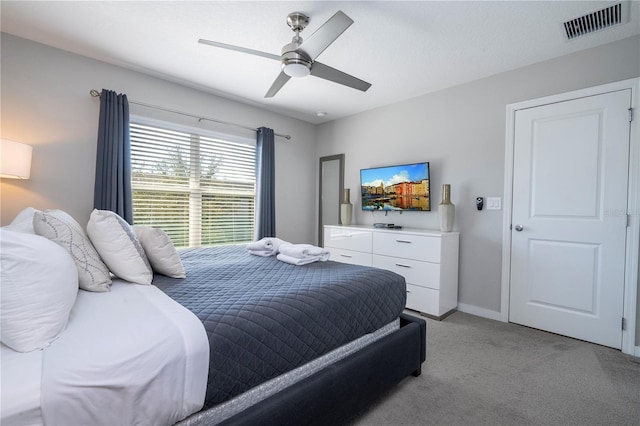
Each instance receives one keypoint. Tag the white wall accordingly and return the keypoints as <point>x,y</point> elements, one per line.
<point>46,103</point>
<point>461,132</point>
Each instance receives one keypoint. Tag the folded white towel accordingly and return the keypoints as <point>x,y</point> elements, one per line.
<point>299,261</point>
<point>305,251</point>
<point>265,247</point>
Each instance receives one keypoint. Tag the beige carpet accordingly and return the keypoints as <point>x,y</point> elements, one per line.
<point>484,372</point>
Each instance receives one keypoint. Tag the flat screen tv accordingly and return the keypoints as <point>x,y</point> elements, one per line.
<point>404,188</point>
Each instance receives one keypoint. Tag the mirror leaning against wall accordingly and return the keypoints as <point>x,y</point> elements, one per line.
<point>331,184</point>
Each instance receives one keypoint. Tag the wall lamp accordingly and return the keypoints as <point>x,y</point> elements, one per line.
<point>15,160</point>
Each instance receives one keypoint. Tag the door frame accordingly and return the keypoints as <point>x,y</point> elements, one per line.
<point>633,203</point>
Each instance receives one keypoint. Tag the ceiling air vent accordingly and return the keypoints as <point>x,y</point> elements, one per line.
<point>598,20</point>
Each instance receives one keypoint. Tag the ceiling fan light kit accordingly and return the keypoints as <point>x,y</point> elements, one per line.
<point>296,69</point>
<point>298,58</point>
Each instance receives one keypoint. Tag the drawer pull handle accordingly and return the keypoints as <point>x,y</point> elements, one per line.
<point>404,241</point>
<point>346,255</point>
<point>403,266</point>
<point>408,291</point>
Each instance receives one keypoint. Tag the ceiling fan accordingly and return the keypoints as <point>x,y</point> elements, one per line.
<point>298,58</point>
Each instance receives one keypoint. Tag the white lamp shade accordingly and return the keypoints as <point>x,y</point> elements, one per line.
<point>15,160</point>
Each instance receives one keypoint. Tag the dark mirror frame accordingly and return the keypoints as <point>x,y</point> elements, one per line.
<point>340,158</point>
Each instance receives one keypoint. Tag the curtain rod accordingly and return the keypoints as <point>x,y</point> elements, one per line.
<point>96,94</point>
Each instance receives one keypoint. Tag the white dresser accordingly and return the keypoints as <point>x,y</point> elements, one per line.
<point>428,260</point>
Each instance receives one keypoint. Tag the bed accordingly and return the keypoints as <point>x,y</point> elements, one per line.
<point>200,344</point>
<point>305,314</point>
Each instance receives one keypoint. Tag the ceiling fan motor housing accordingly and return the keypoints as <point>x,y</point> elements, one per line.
<point>295,62</point>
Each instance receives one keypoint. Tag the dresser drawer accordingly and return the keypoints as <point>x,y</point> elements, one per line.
<point>408,246</point>
<point>423,300</point>
<point>424,274</point>
<point>347,238</point>
<point>349,256</point>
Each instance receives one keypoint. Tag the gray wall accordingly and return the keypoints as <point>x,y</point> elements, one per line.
<point>46,103</point>
<point>461,132</point>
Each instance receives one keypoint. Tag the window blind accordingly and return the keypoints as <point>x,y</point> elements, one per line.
<point>199,189</point>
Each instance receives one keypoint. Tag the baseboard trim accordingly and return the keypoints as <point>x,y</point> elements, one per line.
<point>480,312</point>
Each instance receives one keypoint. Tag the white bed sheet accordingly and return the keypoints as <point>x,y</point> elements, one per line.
<point>129,356</point>
<point>20,387</point>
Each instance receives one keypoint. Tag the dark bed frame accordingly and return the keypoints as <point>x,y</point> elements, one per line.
<point>342,391</point>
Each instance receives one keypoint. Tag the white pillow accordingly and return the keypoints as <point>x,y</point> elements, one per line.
<point>39,287</point>
<point>160,251</point>
<point>23,222</point>
<point>59,227</point>
<point>119,247</point>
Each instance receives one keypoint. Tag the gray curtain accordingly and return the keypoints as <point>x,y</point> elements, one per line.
<point>265,184</point>
<point>113,161</point>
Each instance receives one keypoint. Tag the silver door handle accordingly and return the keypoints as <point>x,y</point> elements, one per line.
<point>519,228</point>
<point>403,266</point>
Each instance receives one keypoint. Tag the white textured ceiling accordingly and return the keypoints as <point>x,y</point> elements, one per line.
<point>405,49</point>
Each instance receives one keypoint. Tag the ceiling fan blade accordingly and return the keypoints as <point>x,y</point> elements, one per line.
<point>239,49</point>
<point>332,74</point>
<point>281,79</point>
<point>326,34</point>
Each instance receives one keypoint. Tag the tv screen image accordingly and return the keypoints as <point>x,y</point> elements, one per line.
<point>403,187</point>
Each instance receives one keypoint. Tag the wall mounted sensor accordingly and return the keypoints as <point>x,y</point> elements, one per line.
<point>479,203</point>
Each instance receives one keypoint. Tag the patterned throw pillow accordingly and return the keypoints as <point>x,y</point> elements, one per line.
<point>119,247</point>
<point>62,229</point>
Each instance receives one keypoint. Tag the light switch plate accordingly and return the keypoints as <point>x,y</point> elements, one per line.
<point>494,203</point>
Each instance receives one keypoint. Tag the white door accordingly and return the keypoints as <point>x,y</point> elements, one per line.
<point>569,217</point>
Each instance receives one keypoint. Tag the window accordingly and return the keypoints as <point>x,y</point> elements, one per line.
<point>199,189</point>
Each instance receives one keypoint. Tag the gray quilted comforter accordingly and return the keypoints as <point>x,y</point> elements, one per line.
<point>265,317</point>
